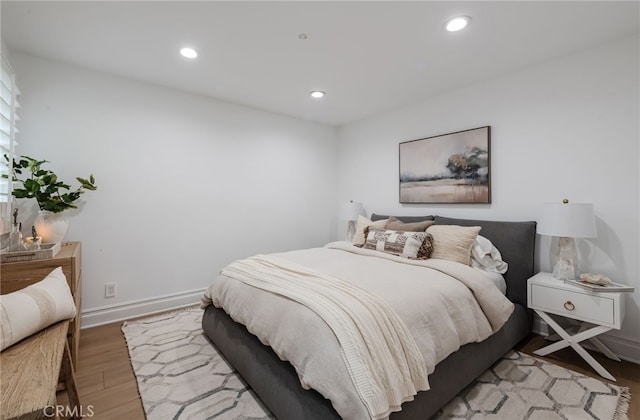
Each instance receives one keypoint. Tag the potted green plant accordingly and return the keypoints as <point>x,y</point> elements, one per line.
<point>52,195</point>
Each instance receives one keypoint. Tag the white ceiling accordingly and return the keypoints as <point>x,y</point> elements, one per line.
<point>370,57</point>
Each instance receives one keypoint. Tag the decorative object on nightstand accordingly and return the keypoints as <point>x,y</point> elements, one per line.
<point>52,195</point>
<point>567,221</point>
<point>350,213</point>
<point>605,311</point>
<point>603,284</point>
<point>53,226</point>
<point>34,241</point>
<point>15,236</point>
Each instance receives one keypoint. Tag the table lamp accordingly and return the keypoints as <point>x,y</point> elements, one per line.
<point>350,213</point>
<point>567,221</point>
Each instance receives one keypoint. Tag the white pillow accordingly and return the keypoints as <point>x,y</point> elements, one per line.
<point>29,310</point>
<point>359,237</point>
<point>485,256</point>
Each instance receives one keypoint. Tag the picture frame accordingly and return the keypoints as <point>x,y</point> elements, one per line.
<point>453,168</point>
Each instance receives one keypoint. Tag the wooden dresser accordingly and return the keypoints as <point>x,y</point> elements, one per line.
<point>17,275</point>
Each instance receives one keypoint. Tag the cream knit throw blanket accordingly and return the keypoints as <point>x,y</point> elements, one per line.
<point>382,357</point>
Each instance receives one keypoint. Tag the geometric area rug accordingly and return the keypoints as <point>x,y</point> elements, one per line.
<point>519,386</point>
<point>181,375</point>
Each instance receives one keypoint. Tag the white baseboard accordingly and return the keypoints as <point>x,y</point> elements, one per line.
<point>624,348</point>
<point>93,317</point>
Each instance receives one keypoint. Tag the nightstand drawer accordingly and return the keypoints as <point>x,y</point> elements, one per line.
<point>571,304</point>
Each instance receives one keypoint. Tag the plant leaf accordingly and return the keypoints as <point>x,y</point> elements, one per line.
<point>44,186</point>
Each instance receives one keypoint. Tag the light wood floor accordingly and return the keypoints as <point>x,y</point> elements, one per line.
<point>104,375</point>
<point>106,381</point>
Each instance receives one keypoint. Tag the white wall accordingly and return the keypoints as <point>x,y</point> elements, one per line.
<point>186,184</point>
<point>565,129</point>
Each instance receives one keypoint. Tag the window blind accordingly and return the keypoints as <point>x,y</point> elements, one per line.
<point>8,133</point>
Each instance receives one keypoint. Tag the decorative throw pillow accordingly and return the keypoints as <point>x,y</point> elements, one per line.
<point>359,237</point>
<point>427,247</point>
<point>485,256</point>
<point>396,224</point>
<point>453,242</point>
<point>412,245</point>
<point>29,310</point>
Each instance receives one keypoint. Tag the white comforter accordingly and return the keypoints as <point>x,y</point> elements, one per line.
<point>444,305</point>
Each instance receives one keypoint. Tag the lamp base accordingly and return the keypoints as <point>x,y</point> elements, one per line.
<point>351,230</point>
<point>566,267</point>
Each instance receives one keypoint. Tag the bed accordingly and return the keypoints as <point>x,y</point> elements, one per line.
<point>278,385</point>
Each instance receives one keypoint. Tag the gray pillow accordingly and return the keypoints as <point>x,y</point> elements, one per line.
<point>406,219</point>
<point>396,224</point>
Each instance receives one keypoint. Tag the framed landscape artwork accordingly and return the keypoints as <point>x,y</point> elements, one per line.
<point>450,168</point>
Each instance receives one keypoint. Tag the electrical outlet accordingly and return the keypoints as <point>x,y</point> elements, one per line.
<point>110,290</point>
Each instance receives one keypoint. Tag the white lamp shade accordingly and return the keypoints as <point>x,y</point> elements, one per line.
<point>351,210</point>
<point>568,220</point>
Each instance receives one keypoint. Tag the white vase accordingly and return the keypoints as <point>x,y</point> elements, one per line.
<point>51,227</point>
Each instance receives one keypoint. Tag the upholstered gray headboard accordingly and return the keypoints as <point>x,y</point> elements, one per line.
<point>515,240</point>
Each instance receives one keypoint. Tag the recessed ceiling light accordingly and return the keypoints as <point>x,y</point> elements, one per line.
<point>188,52</point>
<point>457,23</point>
<point>316,94</point>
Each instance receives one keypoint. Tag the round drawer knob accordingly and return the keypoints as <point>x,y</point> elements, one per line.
<point>569,306</point>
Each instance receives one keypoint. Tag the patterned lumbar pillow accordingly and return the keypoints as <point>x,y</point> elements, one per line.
<point>29,310</point>
<point>413,245</point>
<point>452,242</point>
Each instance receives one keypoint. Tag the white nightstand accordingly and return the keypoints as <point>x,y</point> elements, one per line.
<point>547,295</point>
